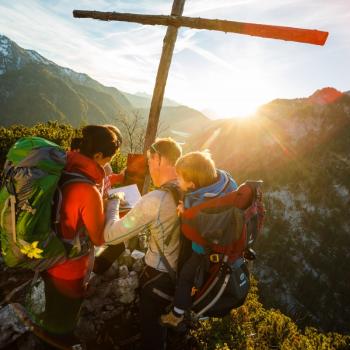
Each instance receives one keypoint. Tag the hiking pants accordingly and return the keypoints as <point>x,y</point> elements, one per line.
<point>63,303</point>
<point>156,295</point>
<point>63,300</point>
<point>186,280</point>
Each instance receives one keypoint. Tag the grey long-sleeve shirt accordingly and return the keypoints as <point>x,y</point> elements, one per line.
<point>155,211</point>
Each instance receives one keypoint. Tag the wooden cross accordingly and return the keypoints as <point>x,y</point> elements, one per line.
<point>176,20</point>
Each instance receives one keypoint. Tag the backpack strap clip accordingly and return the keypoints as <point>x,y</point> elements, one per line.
<point>214,258</point>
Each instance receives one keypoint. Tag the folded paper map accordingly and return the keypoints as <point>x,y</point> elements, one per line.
<point>131,193</point>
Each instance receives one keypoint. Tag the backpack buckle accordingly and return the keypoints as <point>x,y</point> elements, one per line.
<point>214,258</point>
<point>249,254</point>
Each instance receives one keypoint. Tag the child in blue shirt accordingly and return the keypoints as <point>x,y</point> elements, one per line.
<point>200,181</point>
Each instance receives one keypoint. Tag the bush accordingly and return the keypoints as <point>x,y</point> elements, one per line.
<point>60,134</point>
<point>253,327</point>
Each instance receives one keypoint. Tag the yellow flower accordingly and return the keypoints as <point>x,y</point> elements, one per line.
<point>31,250</point>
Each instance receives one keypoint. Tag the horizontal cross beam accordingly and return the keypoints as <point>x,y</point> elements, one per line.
<point>308,36</point>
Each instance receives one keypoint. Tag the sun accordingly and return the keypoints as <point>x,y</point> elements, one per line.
<point>242,91</point>
<point>227,93</point>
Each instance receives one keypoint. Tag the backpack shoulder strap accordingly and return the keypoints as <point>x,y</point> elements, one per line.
<point>174,189</point>
<point>71,177</point>
<point>176,194</point>
<point>166,263</point>
<point>255,213</point>
<point>66,178</point>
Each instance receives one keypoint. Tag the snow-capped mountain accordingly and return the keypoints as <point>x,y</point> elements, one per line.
<point>13,57</point>
<point>34,89</point>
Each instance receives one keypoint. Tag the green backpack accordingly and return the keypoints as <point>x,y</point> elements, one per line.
<point>28,208</point>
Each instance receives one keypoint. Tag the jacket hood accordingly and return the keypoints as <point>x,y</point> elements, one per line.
<point>220,186</point>
<point>78,163</point>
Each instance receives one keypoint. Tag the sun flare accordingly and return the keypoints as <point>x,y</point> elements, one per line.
<point>234,91</point>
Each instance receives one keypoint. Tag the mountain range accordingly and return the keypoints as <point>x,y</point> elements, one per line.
<point>34,89</point>
<point>299,147</point>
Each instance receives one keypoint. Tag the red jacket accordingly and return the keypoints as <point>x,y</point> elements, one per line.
<point>82,205</point>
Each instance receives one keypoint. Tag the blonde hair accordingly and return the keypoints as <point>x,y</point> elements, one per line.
<point>197,167</point>
<point>167,148</point>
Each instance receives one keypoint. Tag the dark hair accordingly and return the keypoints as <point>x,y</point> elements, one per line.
<point>167,148</point>
<point>97,138</point>
<point>75,143</point>
<point>117,133</point>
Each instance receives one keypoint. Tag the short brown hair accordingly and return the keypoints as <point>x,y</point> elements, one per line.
<point>168,148</point>
<point>197,167</point>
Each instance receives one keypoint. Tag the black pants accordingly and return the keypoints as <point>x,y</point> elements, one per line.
<point>105,260</point>
<point>156,295</point>
<point>186,280</point>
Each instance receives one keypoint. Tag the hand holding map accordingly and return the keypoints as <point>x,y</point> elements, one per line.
<point>128,195</point>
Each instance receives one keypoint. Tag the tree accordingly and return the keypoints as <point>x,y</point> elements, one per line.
<point>133,128</point>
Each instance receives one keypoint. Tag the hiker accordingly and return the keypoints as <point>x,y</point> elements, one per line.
<point>155,211</point>
<point>199,180</point>
<point>110,178</point>
<point>82,214</point>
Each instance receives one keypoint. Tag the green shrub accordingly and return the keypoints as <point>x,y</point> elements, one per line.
<point>61,134</point>
<point>253,327</point>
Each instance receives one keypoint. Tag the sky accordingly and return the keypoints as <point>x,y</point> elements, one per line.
<point>224,75</point>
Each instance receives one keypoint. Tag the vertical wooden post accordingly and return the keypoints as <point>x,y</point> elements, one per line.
<point>161,79</point>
